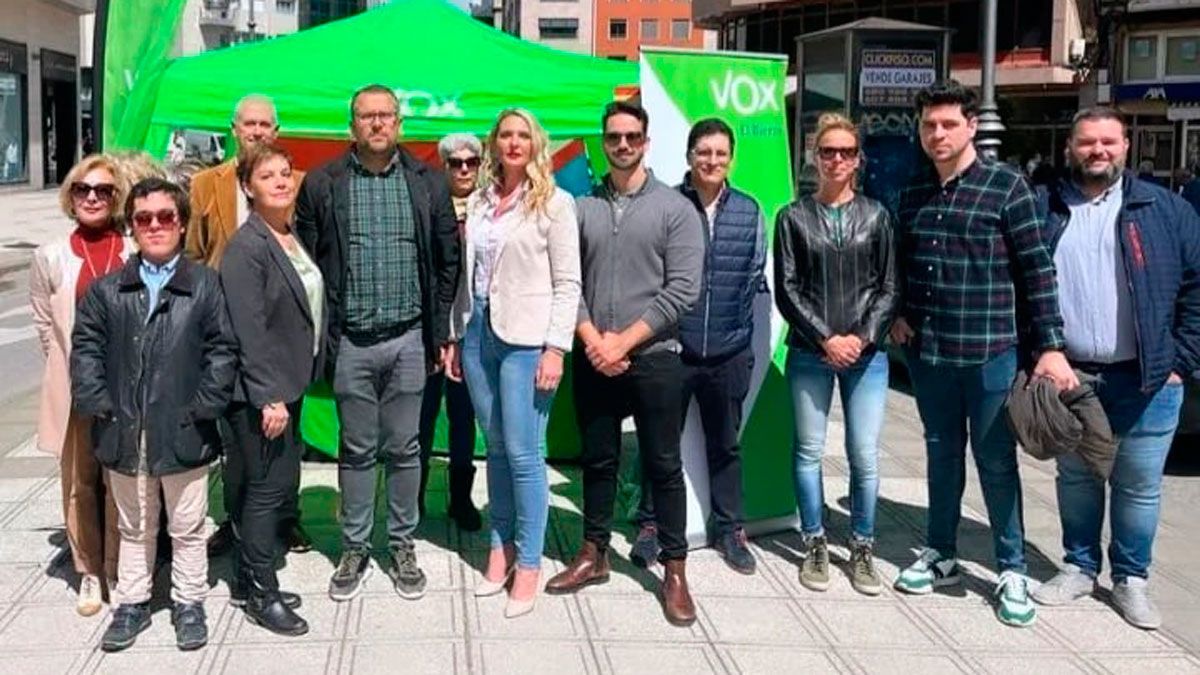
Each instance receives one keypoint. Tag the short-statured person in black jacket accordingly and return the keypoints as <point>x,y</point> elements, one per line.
<point>153,363</point>
<point>276,301</point>
<point>381,227</point>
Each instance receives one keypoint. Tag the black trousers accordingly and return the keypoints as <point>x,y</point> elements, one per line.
<point>459,414</point>
<point>271,473</point>
<point>650,391</point>
<point>233,470</point>
<point>720,387</point>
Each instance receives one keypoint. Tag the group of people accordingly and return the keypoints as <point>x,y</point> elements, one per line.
<point>396,282</point>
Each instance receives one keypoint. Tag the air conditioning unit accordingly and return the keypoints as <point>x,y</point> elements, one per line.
<point>1076,51</point>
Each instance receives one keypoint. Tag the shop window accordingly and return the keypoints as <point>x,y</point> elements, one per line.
<point>649,29</point>
<point>14,92</point>
<point>558,29</point>
<point>1142,58</point>
<point>681,29</point>
<point>1183,55</point>
<point>618,29</point>
<point>964,21</point>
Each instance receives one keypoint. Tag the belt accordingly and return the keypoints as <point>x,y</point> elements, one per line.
<point>374,337</point>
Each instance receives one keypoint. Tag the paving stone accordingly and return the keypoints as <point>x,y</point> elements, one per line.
<point>532,656</point>
<point>15,489</point>
<point>971,627</point>
<point>391,617</point>
<point>155,661</point>
<point>709,575</point>
<point>37,515</point>
<point>1136,665</point>
<point>30,546</point>
<point>616,617</point>
<point>44,662</point>
<point>554,616</point>
<point>1007,664</point>
<point>326,622</point>
<point>293,658</point>
<point>410,657</point>
<point>441,569</point>
<point>866,623</point>
<point>746,660</point>
<point>769,621</point>
<point>661,659</point>
<point>1090,631</point>
<point>39,627</point>
<point>15,579</point>
<point>904,662</point>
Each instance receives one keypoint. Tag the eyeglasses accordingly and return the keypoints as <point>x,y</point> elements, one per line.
<point>386,116</point>
<point>456,163</point>
<point>633,138</point>
<point>828,153</point>
<point>104,191</point>
<point>710,155</point>
<point>144,220</point>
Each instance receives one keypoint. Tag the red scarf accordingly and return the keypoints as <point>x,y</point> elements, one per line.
<point>101,252</point>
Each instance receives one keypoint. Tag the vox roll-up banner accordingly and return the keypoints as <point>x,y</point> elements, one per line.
<point>133,45</point>
<point>678,89</point>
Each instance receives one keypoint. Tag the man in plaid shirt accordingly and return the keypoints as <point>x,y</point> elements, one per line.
<point>971,253</point>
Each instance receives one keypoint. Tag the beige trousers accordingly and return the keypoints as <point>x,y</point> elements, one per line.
<point>138,503</point>
<point>88,507</point>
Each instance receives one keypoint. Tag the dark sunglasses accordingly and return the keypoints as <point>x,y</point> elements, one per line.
<point>104,191</point>
<point>143,220</point>
<point>827,153</point>
<point>633,138</point>
<point>471,163</point>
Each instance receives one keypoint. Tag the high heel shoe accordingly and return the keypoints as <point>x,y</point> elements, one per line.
<point>514,607</point>
<point>488,587</point>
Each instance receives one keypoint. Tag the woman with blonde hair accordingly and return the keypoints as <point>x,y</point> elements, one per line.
<point>835,287</point>
<point>515,316</point>
<point>61,272</point>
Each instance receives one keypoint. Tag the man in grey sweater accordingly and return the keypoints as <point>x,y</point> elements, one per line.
<point>642,248</point>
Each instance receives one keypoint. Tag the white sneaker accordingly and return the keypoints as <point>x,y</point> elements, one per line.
<point>1013,606</point>
<point>1069,585</point>
<point>929,571</point>
<point>90,600</point>
<point>1131,597</point>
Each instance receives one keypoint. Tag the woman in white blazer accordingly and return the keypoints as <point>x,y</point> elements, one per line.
<point>91,197</point>
<point>515,319</point>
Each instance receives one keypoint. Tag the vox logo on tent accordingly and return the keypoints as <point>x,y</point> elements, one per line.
<point>416,103</point>
<point>746,95</point>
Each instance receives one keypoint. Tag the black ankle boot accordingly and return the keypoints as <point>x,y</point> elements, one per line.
<point>462,510</point>
<point>266,608</point>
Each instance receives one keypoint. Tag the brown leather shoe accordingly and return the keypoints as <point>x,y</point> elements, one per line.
<point>677,600</point>
<point>590,566</point>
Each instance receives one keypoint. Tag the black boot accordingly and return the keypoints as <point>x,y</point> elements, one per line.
<point>240,584</point>
<point>462,509</point>
<point>266,608</point>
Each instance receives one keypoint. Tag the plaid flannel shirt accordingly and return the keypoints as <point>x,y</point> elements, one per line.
<point>973,261</point>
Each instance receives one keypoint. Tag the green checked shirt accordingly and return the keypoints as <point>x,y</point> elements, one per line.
<point>383,286</point>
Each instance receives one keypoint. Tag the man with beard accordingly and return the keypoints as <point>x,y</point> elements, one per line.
<point>971,252</point>
<point>1128,259</point>
<point>218,209</point>
<point>642,249</point>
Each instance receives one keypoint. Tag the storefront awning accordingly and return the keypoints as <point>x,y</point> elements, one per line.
<point>1172,93</point>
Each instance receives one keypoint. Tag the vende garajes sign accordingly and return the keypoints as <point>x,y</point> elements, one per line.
<point>890,78</point>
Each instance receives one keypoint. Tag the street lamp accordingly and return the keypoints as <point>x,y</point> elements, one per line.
<point>987,136</point>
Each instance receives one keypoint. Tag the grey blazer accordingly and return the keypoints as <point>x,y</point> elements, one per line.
<point>268,309</point>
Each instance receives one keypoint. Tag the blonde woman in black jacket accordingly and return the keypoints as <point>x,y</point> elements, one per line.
<point>835,286</point>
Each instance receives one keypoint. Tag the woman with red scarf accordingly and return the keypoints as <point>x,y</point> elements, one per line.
<point>61,272</point>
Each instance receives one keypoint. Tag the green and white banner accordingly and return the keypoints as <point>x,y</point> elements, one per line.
<point>678,89</point>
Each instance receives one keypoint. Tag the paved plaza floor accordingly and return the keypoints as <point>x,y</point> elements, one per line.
<point>765,623</point>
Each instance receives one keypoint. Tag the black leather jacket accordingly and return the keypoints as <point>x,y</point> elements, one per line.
<point>154,388</point>
<point>826,285</point>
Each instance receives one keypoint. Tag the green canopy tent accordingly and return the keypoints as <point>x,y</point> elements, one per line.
<point>451,74</point>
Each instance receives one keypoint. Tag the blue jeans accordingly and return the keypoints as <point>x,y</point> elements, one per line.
<point>863,388</point>
<point>1145,425</point>
<point>949,398</point>
<point>513,414</point>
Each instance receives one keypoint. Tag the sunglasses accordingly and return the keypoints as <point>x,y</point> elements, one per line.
<point>828,153</point>
<point>633,138</point>
<point>104,191</point>
<point>143,220</point>
<point>471,163</point>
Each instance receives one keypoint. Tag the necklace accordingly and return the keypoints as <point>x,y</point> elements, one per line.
<point>112,251</point>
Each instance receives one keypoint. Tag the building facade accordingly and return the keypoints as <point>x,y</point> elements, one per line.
<point>212,24</point>
<point>1037,80</point>
<point>39,90</point>
<point>1157,75</point>
<point>562,24</point>
<point>622,26</point>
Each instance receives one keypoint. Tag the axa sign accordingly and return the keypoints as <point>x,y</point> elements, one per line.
<point>745,94</point>
<point>416,103</point>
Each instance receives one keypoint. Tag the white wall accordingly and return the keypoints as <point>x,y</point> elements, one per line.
<point>532,10</point>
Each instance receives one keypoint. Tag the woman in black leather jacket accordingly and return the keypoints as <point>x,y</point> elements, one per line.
<point>835,286</point>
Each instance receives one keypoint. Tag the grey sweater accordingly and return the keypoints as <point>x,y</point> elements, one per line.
<point>643,258</point>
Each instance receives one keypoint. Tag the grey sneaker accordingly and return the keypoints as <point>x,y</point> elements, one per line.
<point>408,579</point>
<point>353,569</point>
<point>1069,585</point>
<point>1131,596</point>
<point>814,572</point>
<point>863,576</point>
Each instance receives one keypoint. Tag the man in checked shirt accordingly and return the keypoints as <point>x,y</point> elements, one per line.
<point>970,252</point>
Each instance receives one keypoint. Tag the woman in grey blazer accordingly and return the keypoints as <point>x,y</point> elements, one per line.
<point>276,300</point>
<point>515,316</point>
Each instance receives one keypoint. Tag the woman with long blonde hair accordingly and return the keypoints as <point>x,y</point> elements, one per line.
<point>515,316</point>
